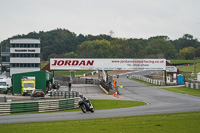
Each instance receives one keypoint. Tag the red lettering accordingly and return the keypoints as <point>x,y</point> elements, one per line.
<point>75,62</point>
<point>82,63</point>
<point>61,62</point>
<point>55,62</point>
<point>67,62</point>
<point>90,63</point>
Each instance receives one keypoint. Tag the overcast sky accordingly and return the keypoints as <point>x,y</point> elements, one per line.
<point>127,18</point>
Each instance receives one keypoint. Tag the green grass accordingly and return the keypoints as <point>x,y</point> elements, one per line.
<point>165,123</point>
<point>112,104</point>
<point>184,61</point>
<point>43,64</point>
<point>102,104</point>
<point>190,68</point>
<point>184,90</point>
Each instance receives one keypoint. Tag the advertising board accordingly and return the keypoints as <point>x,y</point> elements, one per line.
<point>171,69</point>
<point>107,64</point>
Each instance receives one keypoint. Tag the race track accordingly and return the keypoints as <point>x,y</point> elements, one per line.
<point>158,101</point>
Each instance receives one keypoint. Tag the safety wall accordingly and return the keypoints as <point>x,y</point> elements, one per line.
<point>192,85</point>
<point>38,106</point>
<point>152,81</point>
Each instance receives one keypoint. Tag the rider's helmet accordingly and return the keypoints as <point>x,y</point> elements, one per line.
<point>81,95</point>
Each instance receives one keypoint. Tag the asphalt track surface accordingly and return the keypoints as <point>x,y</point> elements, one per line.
<point>158,102</point>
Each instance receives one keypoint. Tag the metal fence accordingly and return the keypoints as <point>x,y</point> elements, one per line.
<point>85,81</point>
<point>77,80</point>
<point>64,94</point>
<point>106,86</point>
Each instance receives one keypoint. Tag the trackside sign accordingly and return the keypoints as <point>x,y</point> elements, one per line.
<point>107,64</point>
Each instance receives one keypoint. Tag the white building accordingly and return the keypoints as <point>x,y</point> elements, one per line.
<point>24,55</point>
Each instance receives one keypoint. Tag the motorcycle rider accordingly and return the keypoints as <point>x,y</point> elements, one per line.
<point>85,99</point>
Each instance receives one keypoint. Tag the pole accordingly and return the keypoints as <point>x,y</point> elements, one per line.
<point>53,77</point>
<point>194,68</point>
<point>165,77</point>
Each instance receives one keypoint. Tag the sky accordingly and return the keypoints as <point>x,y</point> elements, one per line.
<point>126,18</point>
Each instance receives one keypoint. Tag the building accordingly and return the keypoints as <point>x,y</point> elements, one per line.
<point>24,55</point>
<point>5,62</point>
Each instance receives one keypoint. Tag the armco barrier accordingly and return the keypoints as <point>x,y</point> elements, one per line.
<point>20,107</point>
<point>152,81</point>
<point>4,108</point>
<point>192,85</point>
<point>39,106</point>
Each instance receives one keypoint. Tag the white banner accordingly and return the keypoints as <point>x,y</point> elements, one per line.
<point>171,69</point>
<point>107,64</point>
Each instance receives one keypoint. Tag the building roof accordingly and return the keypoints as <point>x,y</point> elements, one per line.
<point>25,40</point>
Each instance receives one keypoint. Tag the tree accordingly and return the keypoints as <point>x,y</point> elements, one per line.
<point>187,53</point>
<point>186,41</point>
<point>126,48</point>
<point>94,49</point>
<point>197,52</point>
<point>71,55</point>
<point>160,48</point>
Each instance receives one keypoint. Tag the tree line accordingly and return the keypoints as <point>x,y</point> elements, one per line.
<point>61,43</point>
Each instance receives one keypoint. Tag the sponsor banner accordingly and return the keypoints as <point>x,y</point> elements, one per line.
<point>107,64</point>
<point>171,69</point>
<point>24,50</point>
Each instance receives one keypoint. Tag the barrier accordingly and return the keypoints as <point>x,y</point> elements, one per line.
<point>149,80</point>
<point>39,106</point>
<point>4,108</point>
<point>192,85</point>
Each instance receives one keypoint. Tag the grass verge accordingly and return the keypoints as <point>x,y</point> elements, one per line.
<point>103,104</point>
<point>184,61</point>
<point>183,90</point>
<point>166,123</point>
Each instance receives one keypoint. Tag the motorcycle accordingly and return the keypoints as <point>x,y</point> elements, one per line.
<point>85,105</point>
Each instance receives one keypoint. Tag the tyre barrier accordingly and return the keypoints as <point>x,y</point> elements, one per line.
<point>192,85</point>
<point>38,106</point>
<point>145,79</point>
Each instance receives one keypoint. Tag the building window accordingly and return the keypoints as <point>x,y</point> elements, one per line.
<point>23,65</point>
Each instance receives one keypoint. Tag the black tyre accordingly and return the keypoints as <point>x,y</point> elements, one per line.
<point>83,108</point>
<point>92,110</point>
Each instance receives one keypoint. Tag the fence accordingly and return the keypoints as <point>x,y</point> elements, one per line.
<point>63,94</point>
<point>85,81</point>
<point>152,81</point>
<point>38,106</point>
<point>192,85</point>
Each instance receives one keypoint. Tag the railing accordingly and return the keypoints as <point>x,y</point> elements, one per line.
<point>63,94</point>
<point>106,86</point>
